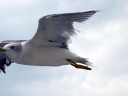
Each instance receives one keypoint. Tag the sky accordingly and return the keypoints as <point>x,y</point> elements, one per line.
<point>102,39</point>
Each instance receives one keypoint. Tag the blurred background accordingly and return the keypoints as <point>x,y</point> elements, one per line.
<point>103,39</point>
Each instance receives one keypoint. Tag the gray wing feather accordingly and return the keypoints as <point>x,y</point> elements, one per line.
<point>57,29</point>
<point>4,59</point>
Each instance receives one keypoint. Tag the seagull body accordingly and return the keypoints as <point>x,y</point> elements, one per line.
<point>41,55</point>
<point>49,46</point>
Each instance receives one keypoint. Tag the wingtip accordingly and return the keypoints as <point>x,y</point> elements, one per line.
<point>95,11</point>
<point>2,68</point>
<point>92,12</point>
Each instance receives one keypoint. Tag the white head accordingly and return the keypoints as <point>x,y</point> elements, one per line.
<point>13,50</point>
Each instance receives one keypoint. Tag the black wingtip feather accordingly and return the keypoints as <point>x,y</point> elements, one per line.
<point>2,68</point>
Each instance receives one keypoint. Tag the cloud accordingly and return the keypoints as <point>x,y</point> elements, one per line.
<point>14,3</point>
<point>103,40</point>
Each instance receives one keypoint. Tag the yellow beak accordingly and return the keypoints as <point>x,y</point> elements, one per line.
<point>2,50</point>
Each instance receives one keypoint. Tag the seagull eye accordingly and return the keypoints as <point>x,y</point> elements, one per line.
<point>12,47</point>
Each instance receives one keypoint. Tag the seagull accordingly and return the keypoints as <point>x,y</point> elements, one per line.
<point>49,46</point>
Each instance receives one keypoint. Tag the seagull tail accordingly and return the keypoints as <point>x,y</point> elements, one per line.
<point>84,61</point>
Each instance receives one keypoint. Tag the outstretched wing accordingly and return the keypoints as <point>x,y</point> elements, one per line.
<point>56,29</point>
<point>4,59</point>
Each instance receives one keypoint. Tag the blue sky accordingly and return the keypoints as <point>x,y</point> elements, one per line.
<point>103,39</point>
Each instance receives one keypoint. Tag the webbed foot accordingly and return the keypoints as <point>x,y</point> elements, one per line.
<point>78,65</point>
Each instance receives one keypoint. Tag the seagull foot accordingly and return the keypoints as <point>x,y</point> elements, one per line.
<point>78,65</point>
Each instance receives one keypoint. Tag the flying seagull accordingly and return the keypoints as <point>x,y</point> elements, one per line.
<point>49,46</point>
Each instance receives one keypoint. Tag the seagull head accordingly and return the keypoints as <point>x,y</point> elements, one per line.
<point>13,50</point>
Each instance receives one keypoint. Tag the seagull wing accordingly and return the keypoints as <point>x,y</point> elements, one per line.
<point>4,59</point>
<point>56,29</point>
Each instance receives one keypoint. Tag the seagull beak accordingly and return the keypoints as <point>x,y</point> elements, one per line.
<point>2,50</point>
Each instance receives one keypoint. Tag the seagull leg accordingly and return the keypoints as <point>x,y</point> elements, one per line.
<point>78,65</point>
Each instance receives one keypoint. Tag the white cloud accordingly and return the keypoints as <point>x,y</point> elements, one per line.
<point>103,39</point>
<point>5,4</point>
<point>93,84</point>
